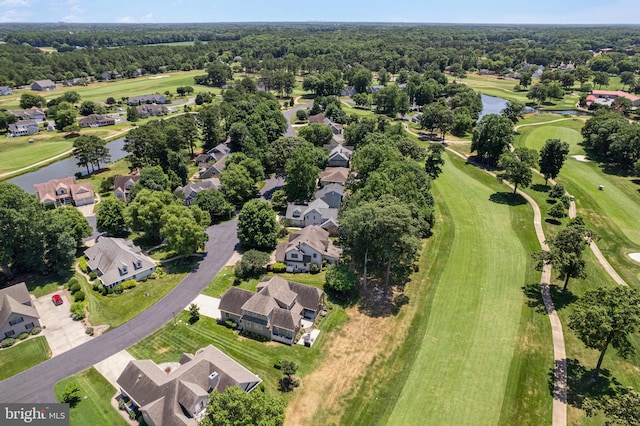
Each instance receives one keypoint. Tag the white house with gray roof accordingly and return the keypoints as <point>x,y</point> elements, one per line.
<point>316,212</point>
<point>308,247</point>
<point>179,396</point>
<point>17,313</point>
<point>116,260</point>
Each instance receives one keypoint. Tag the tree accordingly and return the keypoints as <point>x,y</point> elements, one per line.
<point>132,114</point>
<point>281,150</point>
<point>433,162</point>
<point>436,116</point>
<point>301,175</point>
<point>627,78</point>
<point>339,279</point>
<point>539,92</point>
<point>601,78</point>
<point>492,137</point>
<point>235,407</point>
<point>194,313</point>
<point>28,100</point>
<point>621,105</point>
<point>213,201</point>
<point>607,316</point>
<point>623,409</point>
<point>279,200</point>
<point>289,369</point>
<point>565,253</point>
<point>237,184</point>
<point>110,217</point>
<point>525,79</point>
<point>514,111</point>
<point>252,264</point>
<point>90,149</point>
<point>552,157</point>
<point>65,118</point>
<point>145,213</point>
<point>557,191</point>
<point>69,219</point>
<point>316,133</point>
<point>557,211</point>
<point>183,228</point>
<point>257,226</point>
<point>361,99</point>
<point>517,167</point>
<point>71,394</point>
<point>582,73</point>
<point>218,74</point>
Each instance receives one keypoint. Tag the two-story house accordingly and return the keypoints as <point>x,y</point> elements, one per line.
<point>17,313</point>
<point>63,191</point>
<point>122,185</point>
<point>309,246</point>
<point>22,128</point>
<point>116,260</point>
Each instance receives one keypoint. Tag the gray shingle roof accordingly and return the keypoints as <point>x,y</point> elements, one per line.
<point>116,259</point>
<point>14,300</point>
<point>233,300</point>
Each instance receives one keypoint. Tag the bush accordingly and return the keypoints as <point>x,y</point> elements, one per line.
<point>340,279</point>
<point>71,394</point>
<point>558,211</point>
<point>314,269</point>
<point>36,330</point>
<point>8,342</point>
<point>118,289</point>
<point>231,324</point>
<point>82,264</point>
<point>79,296</point>
<point>89,331</point>
<point>557,191</point>
<point>73,281</point>
<point>279,267</point>
<point>129,284</point>
<point>23,336</point>
<point>566,202</point>
<point>251,264</point>
<point>278,364</point>
<point>77,311</point>
<point>93,276</point>
<point>75,288</point>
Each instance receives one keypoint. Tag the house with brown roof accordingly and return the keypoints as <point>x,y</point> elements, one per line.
<point>275,311</point>
<point>17,313</point>
<point>606,97</point>
<point>151,110</point>
<point>188,192</point>
<point>179,396</point>
<point>309,246</point>
<point>122,185</point>
<point>96,120</point>
<point>43,85</point>
<point>116,260</point>
<point>63,191</point>
<point>334,175</point>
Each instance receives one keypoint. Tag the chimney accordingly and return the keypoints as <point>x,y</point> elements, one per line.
<point>213,380</point>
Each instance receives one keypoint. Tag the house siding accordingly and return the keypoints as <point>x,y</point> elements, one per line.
<point>17,324</point>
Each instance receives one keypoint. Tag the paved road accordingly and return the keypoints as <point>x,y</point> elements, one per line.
<point>271,185</point>
<point>290,113</point>
<point>36,384</point>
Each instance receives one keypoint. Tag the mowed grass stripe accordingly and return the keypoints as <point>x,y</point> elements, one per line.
<point>461,372</point>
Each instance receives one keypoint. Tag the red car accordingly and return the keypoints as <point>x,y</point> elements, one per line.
<point>57,300</point>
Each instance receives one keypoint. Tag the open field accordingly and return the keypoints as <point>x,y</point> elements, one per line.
<point>96,393</point>
<point>23,356</point>
<point>613,213</point>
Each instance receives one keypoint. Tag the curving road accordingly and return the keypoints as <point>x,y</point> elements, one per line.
<point>289,114</point>
<point>36,384</point>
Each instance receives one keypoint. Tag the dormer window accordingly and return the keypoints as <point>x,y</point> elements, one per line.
<point>137,264</point>
<point>123,269</point>
<point>296,213</point>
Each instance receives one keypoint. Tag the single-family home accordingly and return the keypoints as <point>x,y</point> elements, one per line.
<point>43,85</point>
<point>275,311</point>
<point>17,313</point>
<point>110,75</point>
<point>33,113</point>
<point>178,396</point>
<point>340,156</point>
<point>122,185</point>
<point>63,191</point>
<point>212,163</point>
<point>331,194</point>
<point>116,260</point>
<point>147,99</point>
<point>311,245</point>
<point>188,192</point>
<point>23,128</point>
<point>316,212</point>
<point>5,91</point>
<point>348,91</point>
<point>334,175</point>
<point>137,73</point>
<point>376,88</point>
<point>96,120</point>
<point>150,110</point>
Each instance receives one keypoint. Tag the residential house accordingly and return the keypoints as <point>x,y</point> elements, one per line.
<point>147,99</point>
<point>116,260</point>
<point>5,91</point>
<point>348,91</point>
<point>334,175</point>
<point>23,128</point>
<point>309,246</point>
<point>17,313</point>
<point>331,194</point>
<point>316,212</point>
<point>137,73</point>
<point>151,110</point>
<point>96,120</point>
<point>75,82</point>
<point>63,191</point>
<point>178,396</point>
<point>211,164</point>
<point>485,71</point>
<point>374,89</point>
<point>33,113</point>
<point>122,185</point>
<point>606,97</point>
<point>340,156</point>
<point>110,75</point>
<point>275,311</point>
<point>212,170</point>
<point>318,118</point>
<point>43,85</point>
<point>188,192</point>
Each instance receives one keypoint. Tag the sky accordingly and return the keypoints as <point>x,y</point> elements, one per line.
<point>394,11</point>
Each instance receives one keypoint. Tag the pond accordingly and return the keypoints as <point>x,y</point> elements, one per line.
<point>494,105</point>
<point>63,168</point>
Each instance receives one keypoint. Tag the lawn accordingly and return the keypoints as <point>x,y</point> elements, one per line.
<point>23,356</point>
<point>96,393</point>
<point>115,310</point>
<point>613,213</point>
<point>481,349</point>
<point>18,152</point>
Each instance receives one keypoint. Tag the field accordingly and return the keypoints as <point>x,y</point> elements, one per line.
<point>23,356</point>
<point>95,397</point>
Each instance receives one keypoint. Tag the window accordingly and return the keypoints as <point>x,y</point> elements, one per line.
<point>9,333</point>
<point>294,255</point>
<point>16,321</point>
<point>29,326</point>
<point>315,255</point>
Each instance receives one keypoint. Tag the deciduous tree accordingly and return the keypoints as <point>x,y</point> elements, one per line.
<point>257,226</point>
<point>492,137</point>
<point>110,217</point>
<point>235,407</point>
<point>552,157</point>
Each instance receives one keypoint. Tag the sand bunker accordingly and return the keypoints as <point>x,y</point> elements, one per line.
<point>581,158</point>
<point>635,256</point>
<point>158,76</point>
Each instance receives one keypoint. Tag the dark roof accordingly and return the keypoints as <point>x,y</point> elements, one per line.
<point>121,180</point>
<point>284,318</point>
<point>233,300</point>
<point>307,296</point>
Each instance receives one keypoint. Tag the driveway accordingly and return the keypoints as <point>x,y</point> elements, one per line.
<point>112,367</point>
<point>61,331</point>
<point>208,306</point>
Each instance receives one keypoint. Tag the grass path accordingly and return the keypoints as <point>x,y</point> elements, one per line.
<point>462,368</point>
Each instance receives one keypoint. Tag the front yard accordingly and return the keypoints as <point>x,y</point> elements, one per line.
<point>23,356</point>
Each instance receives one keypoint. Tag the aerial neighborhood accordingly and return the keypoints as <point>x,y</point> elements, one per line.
<point>314,223</point>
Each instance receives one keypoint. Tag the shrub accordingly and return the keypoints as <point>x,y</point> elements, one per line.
<point>231,324</point>
<point>557,210</point>
<point>103,290</point>
<point>93,276</point>
<point>340,279</point>
<point>251,264</point>
<point>82,263</point>
<point>79,296</point>
<point>121,404</point>
<point>71,394</point>
<point>118,289</point>
<point>314,269</point>
<point>36,330</point>
<point>8,342</point>
<point>129,284</point>
<point>77,311</point>
<point>89,331</point>
<point>566,202</point>
<point>75,288</point>
<point>23,336</point>
<point>279,267</point>
<point>557,191</point>
<point>278,364</point>
<point>153,276</point>
<point>73,281</point>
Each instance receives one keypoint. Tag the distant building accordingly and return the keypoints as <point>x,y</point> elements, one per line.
<point>147,99</point>
<point>5,91</point>
<point>151,110</point>
<point>22,128</point>
<point>64,191</point>
<point>96,120</point>
<point>189,191</point>
<point>606,97</point>
<point>33,113</point>
<point>111,75</point>
<point>43,85</point>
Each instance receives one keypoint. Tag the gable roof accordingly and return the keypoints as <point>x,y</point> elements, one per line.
<point>306,296</point>
<point>195,187</point>
<point>341,151</point>
<point>233,299</point>
<point>16,300</point>
<point>331,187</point>
<point>110,255</point>
<point>44,83</point>
<point>313,236</point>
<point>120,181</point>
<point>334,175</point>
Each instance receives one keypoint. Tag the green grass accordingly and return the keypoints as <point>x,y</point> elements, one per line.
<point>94,407</point>
<point>18,152</point>
<point>23,356</point>
<point>116,310</point>
<point>480,346</point>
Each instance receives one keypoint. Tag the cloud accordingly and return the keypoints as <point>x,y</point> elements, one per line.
<point>15,3</point>
<point>131,20</point>
<point>14,16</point>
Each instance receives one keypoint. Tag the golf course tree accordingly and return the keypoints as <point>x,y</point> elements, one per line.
<point>235,407</point>
<point>492,137</point>
<point>552,157</point>
<point>90,150</point>
<point>257,226</point>
<point>110,217</point>
<point>517,166</point>
<point>217,75</point>
<point>538,92</point>
<point>514,111</point>
<point>437,116</point>
<point>607,317</point>
<point>433,162</point>
<point>565,252</point>
<point>620,409</point>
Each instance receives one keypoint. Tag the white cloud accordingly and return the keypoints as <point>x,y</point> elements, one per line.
<point>131,20</point>
<point>15,3</point>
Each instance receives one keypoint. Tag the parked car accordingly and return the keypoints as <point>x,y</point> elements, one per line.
<point>57,300</point>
